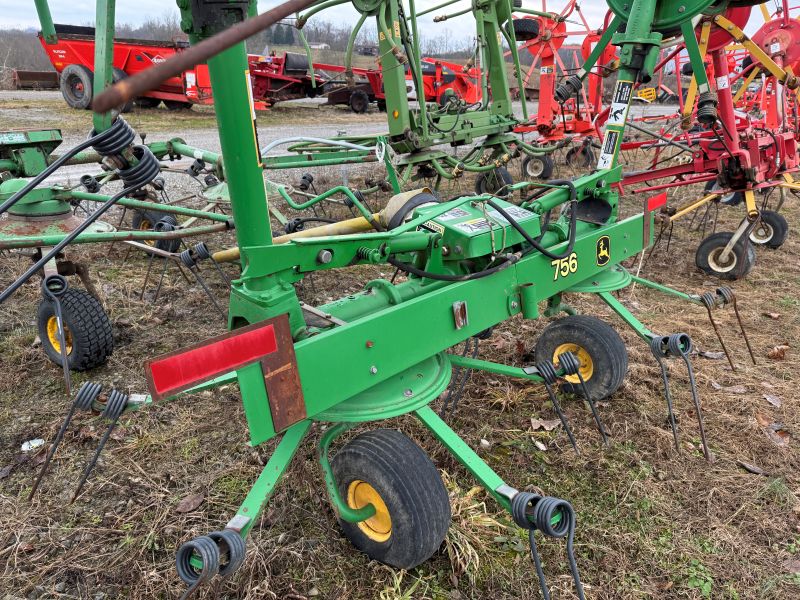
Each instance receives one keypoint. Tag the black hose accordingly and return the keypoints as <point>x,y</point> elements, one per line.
<point>508,260</point>
<point>535,243</point>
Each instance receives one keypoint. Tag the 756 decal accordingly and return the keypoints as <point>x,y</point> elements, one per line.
<point>564,266</point>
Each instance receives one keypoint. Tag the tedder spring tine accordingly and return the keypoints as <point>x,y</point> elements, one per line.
<point>189,258</point>
<point>555,518</point>
<point>728,297</point>
<point>600,427</point>
<point>659,351</point>
<point>673,346</point>
<point>115,406</point>
<point>680,344</point>
<point>669,237</point>
<point>147,275</point>
<point>571,365</point>
<point>709,301</point>
<point>458,381</point>
<point>161,281</point>
<point>549,377</point>
<point>201,252</point>
<point>53,288</point>
<point>84,399</point>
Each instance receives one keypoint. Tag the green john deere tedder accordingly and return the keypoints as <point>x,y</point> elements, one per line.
<point>470,263</point>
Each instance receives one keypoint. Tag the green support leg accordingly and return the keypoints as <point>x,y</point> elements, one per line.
<point>465,455</point>
<point>351,515</point>
<point>492,367</point>
<point>666,290</point>
<point>103,57</point>
<point>626,316</point>
<point>265,485</point>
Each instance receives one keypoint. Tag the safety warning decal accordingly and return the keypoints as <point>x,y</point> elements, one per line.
<point>619,107</point>
<point>609,145</point>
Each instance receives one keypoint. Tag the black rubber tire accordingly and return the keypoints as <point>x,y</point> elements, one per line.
<point>771,231</point>
<point>732,199</point>
<point>538,167</point>
<point>526,29</point>
<point>87,324</point>
<point>119,75</point>
<point>359,101</point>
<point>76,83</point>
<point>147,102</point>
<point>742,263</point>
<point>579,157</point>
<point>410,486</point>
<point>381,105</point>
<point>494,182</point>
<point>147,219</point>
<point>177,105</point>
<point>601,342</point>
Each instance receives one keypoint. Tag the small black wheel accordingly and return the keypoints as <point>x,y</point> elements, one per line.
<point>147,102</point>
<point>386,469</point>
<point>538,167</point>
<point>599,348</point>
<point>494,182</point>
<point>359,101</point>
<point>177,105</point>
<point>146,220</point>
<point>738,263</point>
<point>381,105</point>
<point>119,75</point>
<point>730,199</point>
<point>771,229</point>
<point>526,29</point>
<point>579,157</point>
<point>76,86</point>
<point>87,330</point>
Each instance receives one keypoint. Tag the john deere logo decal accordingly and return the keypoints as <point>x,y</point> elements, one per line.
<point>603,250</point>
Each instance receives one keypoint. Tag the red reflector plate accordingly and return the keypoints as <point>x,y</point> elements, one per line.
<point>178,371</point>
<point>657,201</point>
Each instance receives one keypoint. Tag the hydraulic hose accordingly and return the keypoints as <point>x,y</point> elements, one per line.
<point>573,199</point>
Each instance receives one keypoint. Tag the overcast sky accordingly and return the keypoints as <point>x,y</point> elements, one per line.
<point>22,13</point>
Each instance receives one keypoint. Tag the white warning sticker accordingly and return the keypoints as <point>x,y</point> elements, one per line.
<point>619,107</point>
<point>723,83</point>
<point>609,146</point>
<point>453,213</point>
<point>547,70</point>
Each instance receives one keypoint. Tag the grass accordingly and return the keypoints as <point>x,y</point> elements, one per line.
<point>54,113</point>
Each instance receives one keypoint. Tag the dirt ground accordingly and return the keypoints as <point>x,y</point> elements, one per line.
<point>652,522</point>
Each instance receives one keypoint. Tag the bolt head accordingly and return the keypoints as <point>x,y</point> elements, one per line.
<point>373,369</point>
<point>324,257</point>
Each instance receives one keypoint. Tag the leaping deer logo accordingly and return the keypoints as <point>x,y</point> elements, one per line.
<point>603,250</point>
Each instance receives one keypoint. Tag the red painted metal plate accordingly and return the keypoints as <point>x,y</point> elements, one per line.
<point>178,371</point>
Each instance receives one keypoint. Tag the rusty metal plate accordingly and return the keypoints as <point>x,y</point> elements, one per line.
<point>282,379</point>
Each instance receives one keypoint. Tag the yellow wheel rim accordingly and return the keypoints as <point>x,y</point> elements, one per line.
<point>146,225</point>
<point>586,368</point>
<point>52,335</point>
<point>379,526</point>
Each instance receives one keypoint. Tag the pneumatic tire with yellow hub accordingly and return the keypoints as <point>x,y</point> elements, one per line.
<point>599,348</point>
<point>89,336</point>
<point>386,469</point>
